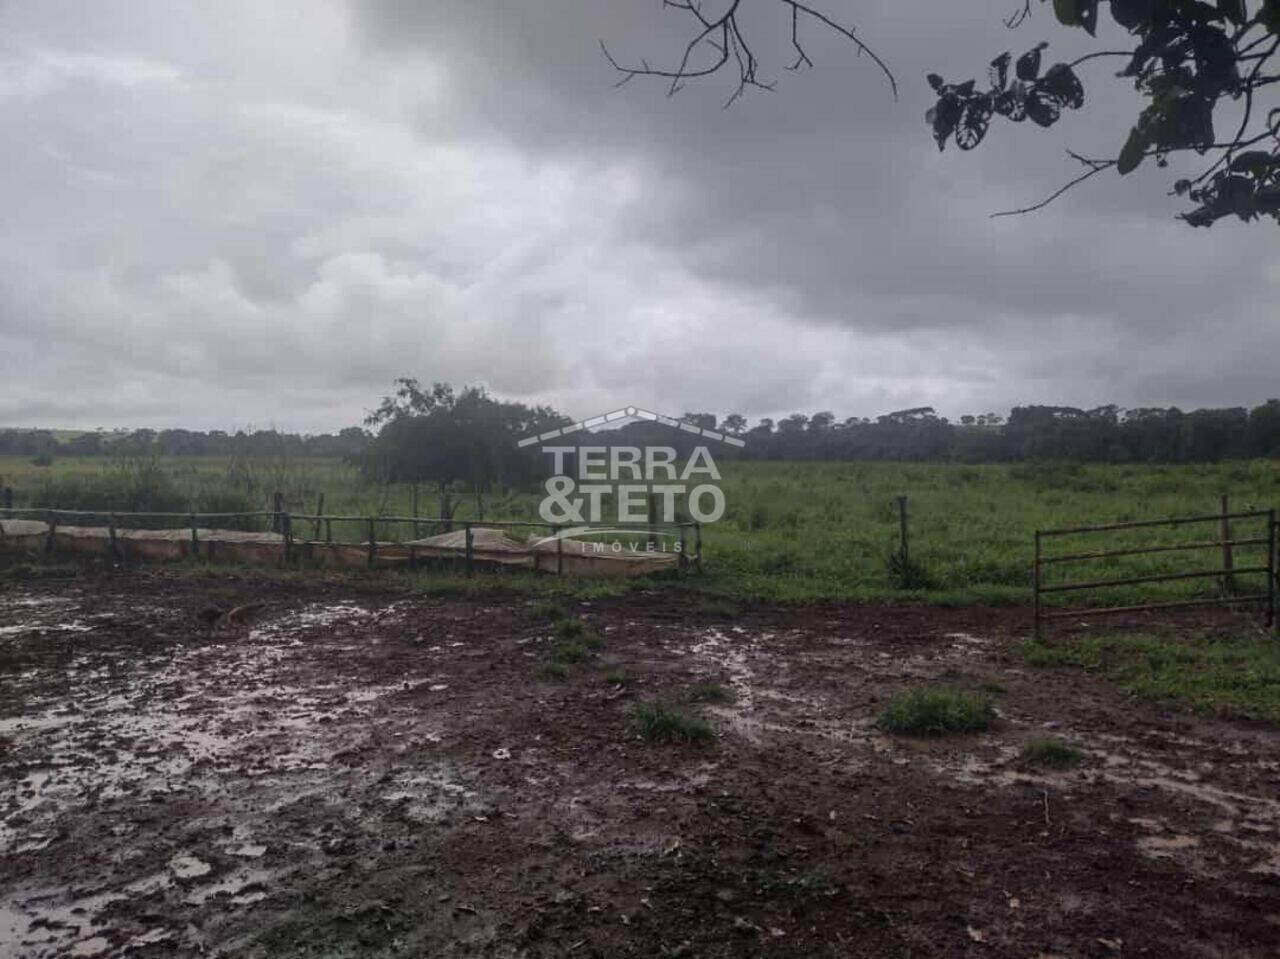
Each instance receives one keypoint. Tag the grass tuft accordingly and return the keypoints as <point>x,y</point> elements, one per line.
<point>710,693</point>
<point>570,627</point>
<point>549,610</point>
<point>615,677</point>
<point>555,671</point>
<point>1053,753</point>
<point>936,711</point>
<point>659,723</point>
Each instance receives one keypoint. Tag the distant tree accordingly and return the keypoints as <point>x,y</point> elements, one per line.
<point>795,423</point>
<point>444,438</point>
<point>821,421</point>
<point>706,421</point>
<point>735,424</point>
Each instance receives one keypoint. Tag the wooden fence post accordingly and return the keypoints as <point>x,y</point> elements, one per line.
<point>416,531</point>
<point>52,523</point>
<point>195,537</point>
<point>555,531</point>
<point>112,543</point>
<point>697,547</point>
<point>1228,559</point>
<point>373,540</point>
<point>902,536</point>
<point>277,507</point>
<point>652,500</point>
<point>682,563</point>
<point>1271,571</point>
<point>286,522</point>
<point>8,502</point>
<point>466,528</point>
<point>1035,589</point>
<point>315,530</point>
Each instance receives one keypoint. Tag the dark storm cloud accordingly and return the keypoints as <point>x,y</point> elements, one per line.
<point>263,214</point>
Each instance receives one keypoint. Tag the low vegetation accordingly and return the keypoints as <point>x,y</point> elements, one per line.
<point>1227,675</point>
<point>1051,753</point>
<point>710,693</point>
<point>937,711</point>
<point>659,723</point>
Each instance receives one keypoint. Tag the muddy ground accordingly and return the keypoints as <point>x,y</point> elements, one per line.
<point>349,771</point>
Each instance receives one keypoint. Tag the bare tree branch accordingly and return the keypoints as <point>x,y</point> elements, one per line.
<point>723,34</point>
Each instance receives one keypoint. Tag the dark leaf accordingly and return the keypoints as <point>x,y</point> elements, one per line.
<point>1012,103</point>
<point>1188,123</point>
<point>944,117</point>
<point>1234,10</point>
<point>1235,193</point>
<point>935,81</point>
<point>1201,216</point>
<point>1180,187</point>
<point>999,71</point>
<point>1089,16</point>
<point>1131,13</point>
<point>1028,65</point>
<point>1043,108</point>
<point>1061,81</point>
<point>1134,149</point>
<point>1067,12</point>
<point>1253,161</point>
<point>973,123</point>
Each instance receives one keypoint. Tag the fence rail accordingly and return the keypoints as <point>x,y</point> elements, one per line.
<point>1225,573</point>
<point>282,521</point>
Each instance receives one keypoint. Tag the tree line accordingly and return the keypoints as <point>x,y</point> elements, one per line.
<point>1104,434</point>
<point>445,437</point>
<point>47,444</point>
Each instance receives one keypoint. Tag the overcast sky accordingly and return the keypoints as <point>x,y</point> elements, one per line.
<point>234,214</point>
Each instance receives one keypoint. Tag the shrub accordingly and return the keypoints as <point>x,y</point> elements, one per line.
<point>937,712</point>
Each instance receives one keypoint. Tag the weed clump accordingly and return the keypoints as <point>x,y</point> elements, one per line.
<point>658,723</point>
<point>937,712</point>
<point>1053,753</point>
<point>710,693</point>
<point>907,573</point>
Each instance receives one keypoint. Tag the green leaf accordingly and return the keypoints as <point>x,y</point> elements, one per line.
<point>1134,150</point>
<point>1067,12</point>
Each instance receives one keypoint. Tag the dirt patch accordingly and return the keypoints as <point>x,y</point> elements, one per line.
<point>359,772</point>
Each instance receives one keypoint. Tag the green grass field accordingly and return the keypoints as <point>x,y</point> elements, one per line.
<point>794,531</point>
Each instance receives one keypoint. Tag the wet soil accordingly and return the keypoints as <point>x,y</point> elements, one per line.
<point>345,770</point>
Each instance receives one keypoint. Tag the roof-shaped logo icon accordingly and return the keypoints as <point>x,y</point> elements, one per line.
<point>632,413</point>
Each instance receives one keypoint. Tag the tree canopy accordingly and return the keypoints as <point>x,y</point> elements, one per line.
<point>1186,59</point>
<point>439,436</point>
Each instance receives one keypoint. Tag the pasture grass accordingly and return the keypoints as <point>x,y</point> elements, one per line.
<point>1236,675</point>
<point>793,531</point>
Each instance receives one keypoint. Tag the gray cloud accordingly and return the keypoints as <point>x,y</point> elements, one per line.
<point>264,213</point>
